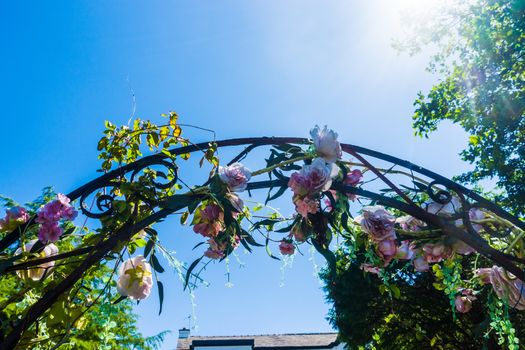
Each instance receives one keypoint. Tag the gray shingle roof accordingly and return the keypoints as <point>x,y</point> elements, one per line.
<point>297,340</point>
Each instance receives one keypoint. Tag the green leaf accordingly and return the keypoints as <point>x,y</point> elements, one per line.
<point>148,247</point>
<point>190,269</point>
<point>156,264</point>
<point>161,295</point>
<point>270,254</point>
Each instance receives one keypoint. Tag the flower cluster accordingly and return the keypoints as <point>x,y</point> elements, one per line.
<point>36,273</point>
<point>379,224</point>
<point>452,210</point>
<point>307,184</point>
<point>287,247</point>
<point>208,221</point>
<point>235,176</point>
<point>464,300</point>
<point>135,279</point>
<point>506,286</point>
<point>49,216</point>
<point>219,245</point>
<point>14,217</point>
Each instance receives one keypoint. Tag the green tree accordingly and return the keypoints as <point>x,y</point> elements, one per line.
<point>416,315</point>
<point>78,320</point>
<point>481,62</point>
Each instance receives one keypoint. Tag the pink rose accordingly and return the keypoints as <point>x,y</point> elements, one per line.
<point>370,268</point>
<point>50,214</point>
<point>298,233</point>
<point>313,178</point>
<point>420,264</point>
<point>464,300</point>
<point>299,184</point>
<point>306,205</point>
<point>49,232</point>
<point>404,251</point>
<point>387,248</point>
<point>14,217</point>
<point>378,223</point>
<point>235,176</point>
<point>508,288</point>
<point>135,279</point>
<point>462,248</point>
<point>436,252</point>
<point>36,273</point>
<point>327,201</point>
<point>286,247</point>
<point>463,304</point>
<point>353,178</point>
<point>214,251</point>
<point>326,144</point>
<point>208,221</point>
<point>484,274</point>
<point>410,223</point>
<point>236,202</point>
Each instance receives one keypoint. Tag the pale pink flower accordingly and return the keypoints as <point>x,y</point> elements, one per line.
<point>36,273</point>
<point>236,202</point>
<point>410,223</point>
<point>463,304</point>
<point>235,176</point>
<point>14,217</point>
<point>353,178</point>
<point>476,214</point>
<point>448,209</point>
<point>306,206</point>
<point>484,274</point>
<point>208,221</point>
<point>49,232</point>
<point>420,264</point>
<point>378,223</point>
<point>299,184</point>
<point>436,252</point>
<point>298,233</point>
<point>135,279</point>
<point>286,247</point>
<point>328,202</point>
<point>50,214</point>
<point>326,144</point>
<point>404,251</point>
<point>387,248</point>
<point>370,268</point>
<point>508,288</point>
<point>462,248</point>
<point>214,251</point>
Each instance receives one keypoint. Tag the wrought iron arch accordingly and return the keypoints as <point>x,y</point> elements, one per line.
<point>439,188</point>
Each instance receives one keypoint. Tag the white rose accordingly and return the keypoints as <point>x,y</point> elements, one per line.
<point>36,273</point>
<point>326,144</point>
<point>135,279</point>
<point>236,176</point>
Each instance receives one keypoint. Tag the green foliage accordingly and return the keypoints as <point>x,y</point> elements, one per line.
<point>83,318</point>
<point>420,316</point>
<point>483,91</point>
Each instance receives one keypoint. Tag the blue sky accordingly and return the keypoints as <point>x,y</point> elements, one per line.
<point>241,68</point>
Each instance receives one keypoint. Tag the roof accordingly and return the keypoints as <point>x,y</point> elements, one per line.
<point>262,342</point>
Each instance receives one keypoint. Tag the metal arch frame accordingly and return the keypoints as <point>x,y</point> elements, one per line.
<point>96,253</point>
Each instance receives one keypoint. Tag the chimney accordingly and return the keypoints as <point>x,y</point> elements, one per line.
<point>184,333</point>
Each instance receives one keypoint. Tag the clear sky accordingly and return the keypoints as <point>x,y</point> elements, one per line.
<point>241,68</point>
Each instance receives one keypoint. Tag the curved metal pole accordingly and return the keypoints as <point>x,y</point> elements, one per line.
<point>99,251</point>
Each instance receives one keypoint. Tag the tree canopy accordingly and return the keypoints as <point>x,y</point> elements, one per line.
<point>481,64</point>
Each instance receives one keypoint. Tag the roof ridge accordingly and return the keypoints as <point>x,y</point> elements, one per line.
<point>260,335</point>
